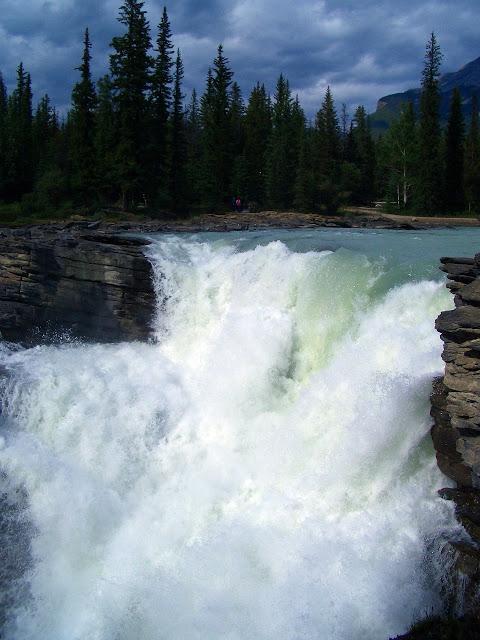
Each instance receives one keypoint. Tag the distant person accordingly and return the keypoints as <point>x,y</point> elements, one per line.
<point>238,204</point>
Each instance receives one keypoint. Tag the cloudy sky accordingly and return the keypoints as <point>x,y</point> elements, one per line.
<point>362,48</point>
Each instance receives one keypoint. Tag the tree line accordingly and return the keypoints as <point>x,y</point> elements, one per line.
<point>422,168</point>
<point>130,140</point>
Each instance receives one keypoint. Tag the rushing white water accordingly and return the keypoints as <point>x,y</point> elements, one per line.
<point>261,472</point>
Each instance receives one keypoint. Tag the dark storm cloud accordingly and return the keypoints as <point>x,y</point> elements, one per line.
<point>362,49</point>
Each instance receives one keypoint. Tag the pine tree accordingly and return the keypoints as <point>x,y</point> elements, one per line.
<point>305,184</point>
<point>327,153</point>
<point>237,128</point>
<point>429,191</point>
<point>105,141</point>
<point>454,197</point>
<point>258,125</point>
<point>329,140</point>
<point>51,163</point>
<point>178,142</point>
<point>344,119</point>
<point>207,183</point>
<point>217,134</point>
<point>472,161</point>
<point>297,125</point>
<point>19,162</point>
<point>44,131</point>
<point>279,182</point>
<point>364,157</point>
<point>161,104</point>
<point>3,137</point>
<point>82,151</point>
<point>194,156</point>
<point>130,72</point>
<point>236,114</point>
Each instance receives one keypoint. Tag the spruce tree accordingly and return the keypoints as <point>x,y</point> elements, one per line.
<point>258,125</point>
<point>130,66</point>
<point>237,127</point>
<point>327,153</point>
<point>3,137</point>
<point>178,142</point>
<point>51,162</point>
<point>329,140</point>
<point>222,80</point>
<point>19,165</point>
<point>297,125</point>
<point>454,197</point>
<point>194,156</point>
<point>207,183</point>
<point>344,119</point>
<point>364,157</point>
<point>236,113</point>
<point>44,131</point>
<point>305,184</point>
<point>217,134</point>
<point>160,107</point>
<point>105,141</point>
<point>472,161</point>
<point>429,188</point>
<point>82,151</point>
<point>279,177</point>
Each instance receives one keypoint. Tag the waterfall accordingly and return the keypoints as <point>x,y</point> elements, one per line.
<point>261,471</point>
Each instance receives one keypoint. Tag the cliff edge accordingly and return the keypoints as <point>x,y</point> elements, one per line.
<point>78,281</point>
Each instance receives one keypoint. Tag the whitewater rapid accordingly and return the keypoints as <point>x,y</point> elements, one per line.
<point>261,471</point>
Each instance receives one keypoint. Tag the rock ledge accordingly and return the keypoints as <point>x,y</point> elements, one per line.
<point>73,280</point>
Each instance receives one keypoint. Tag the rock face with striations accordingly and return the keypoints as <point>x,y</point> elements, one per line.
<point>456,413</point>
<point>93,285</point>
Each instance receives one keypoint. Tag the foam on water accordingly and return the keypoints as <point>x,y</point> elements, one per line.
<point>263,471</point>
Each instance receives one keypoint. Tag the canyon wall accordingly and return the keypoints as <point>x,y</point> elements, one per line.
<point>456,430</point>
<point>74,281</point>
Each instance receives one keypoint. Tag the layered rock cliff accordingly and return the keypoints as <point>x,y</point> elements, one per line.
<point>88,284</point>
<point>456,432</point>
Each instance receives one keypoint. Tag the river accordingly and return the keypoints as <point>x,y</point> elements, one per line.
<point>261,471</point>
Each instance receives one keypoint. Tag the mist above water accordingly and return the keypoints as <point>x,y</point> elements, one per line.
<point>262,471</point>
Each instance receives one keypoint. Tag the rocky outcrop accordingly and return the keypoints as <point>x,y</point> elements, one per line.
<point>456,430</point>
<point>77,280</point>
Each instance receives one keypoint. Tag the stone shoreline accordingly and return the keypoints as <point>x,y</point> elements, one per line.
<point>352,218</point>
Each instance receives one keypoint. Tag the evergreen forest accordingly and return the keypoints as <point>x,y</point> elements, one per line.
<point>132,141</point>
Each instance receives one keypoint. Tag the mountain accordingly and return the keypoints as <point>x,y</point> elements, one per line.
<point>467,79</point>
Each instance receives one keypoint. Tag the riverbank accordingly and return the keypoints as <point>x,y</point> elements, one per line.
<point>352,218</point>
<point>429,221</point>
